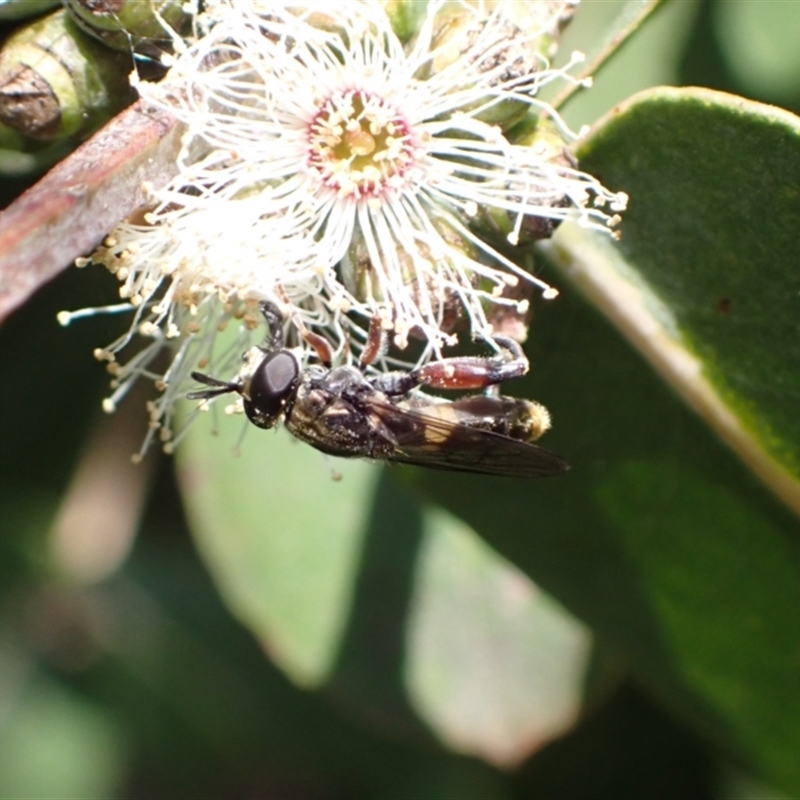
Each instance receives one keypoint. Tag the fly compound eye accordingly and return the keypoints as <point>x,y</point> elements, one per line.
<point>271,387</point>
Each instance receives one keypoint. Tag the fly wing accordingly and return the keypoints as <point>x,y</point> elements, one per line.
<point>429,440</point>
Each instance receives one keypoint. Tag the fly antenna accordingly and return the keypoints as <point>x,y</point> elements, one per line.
<point>218,387</point>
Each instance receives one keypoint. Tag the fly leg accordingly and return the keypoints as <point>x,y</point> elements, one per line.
<point>460,372</point>
<point>274,318</point>
<point>275,339</point>
<point>475,372</point>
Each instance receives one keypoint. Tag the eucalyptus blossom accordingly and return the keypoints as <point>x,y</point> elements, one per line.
<point>338,163</point>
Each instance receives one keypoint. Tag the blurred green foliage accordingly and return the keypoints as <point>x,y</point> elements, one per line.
<point>146,684</point>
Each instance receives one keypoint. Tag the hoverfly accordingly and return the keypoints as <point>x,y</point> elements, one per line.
<point>344,412</point>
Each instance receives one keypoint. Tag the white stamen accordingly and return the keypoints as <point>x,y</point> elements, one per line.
<point>338,173</point>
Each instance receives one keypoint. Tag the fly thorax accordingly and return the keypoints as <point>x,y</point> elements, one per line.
<point>345,380</point>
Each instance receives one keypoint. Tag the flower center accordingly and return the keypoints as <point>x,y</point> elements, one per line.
<point>359,145</point>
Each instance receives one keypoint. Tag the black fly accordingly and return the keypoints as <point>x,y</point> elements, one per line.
<point>344,412</point>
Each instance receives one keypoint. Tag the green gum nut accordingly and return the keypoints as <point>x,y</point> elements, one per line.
<point>56,82</point>
<point>24,9</point>
<point>405,16</point>
<point>132,25</point>
<point>524,37</point>
<point>419,275</point>
<point>498,224</point>
<point>357,273</point>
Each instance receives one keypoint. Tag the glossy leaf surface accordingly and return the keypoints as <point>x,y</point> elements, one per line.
<point>660,537</point>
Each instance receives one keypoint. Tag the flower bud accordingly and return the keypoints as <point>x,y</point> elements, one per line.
<point>518,227</point>
<point>508,44</point>
<point>131,25</point>
<point>56,82</point>
<point>405,16</point>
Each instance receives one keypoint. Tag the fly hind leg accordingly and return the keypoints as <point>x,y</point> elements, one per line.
<point>460,372</point>
<point>475,372</point>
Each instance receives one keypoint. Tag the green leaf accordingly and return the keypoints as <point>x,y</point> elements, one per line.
<point>357,587</point>
<point>493,665</point>
<point>53,743</point>
<point>445,632</point>
<point>280,536</point>
<point>634,546</point>
<point>759,45</point>
<point>708,288</point>
<point>630,46</point>
<point>716,573</point>
<point>659,538</point>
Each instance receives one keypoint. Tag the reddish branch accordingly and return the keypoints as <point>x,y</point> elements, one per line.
<point>69,211</point>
